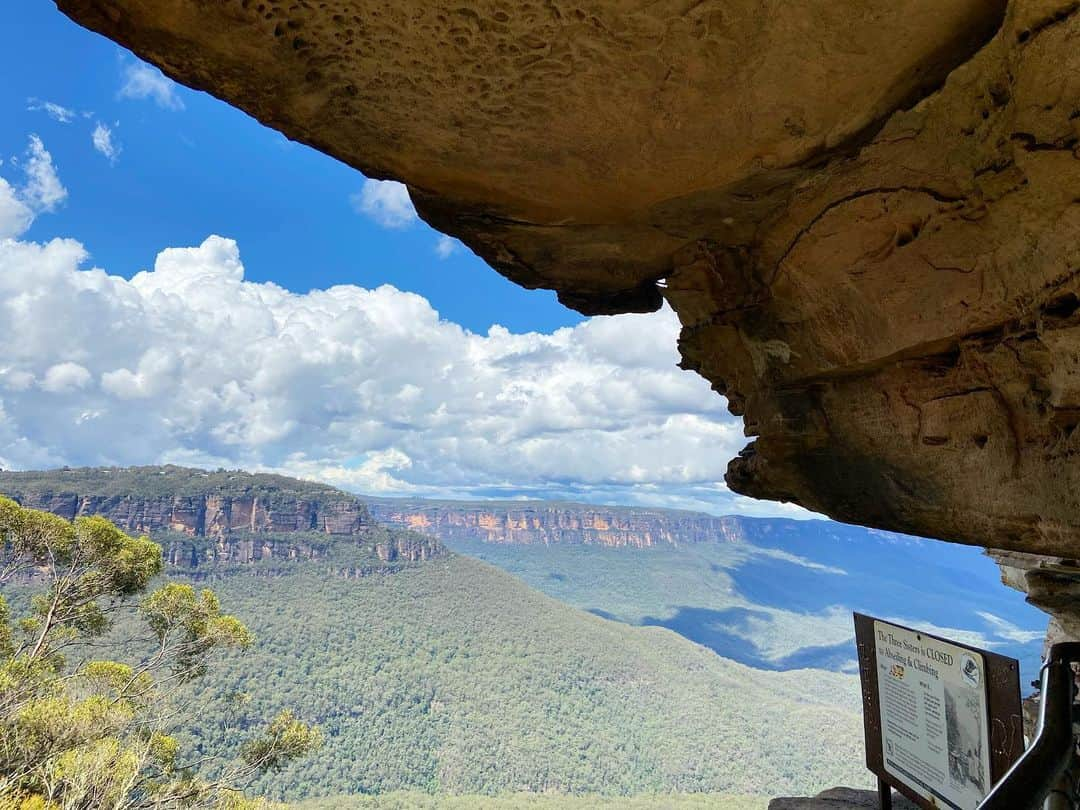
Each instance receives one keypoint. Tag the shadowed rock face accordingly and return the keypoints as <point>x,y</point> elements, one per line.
<point>865,212</point>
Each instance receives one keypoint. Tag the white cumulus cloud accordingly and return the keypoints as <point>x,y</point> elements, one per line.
<point>386,202</point>
<point>43,189</point>
<point>102,138</point>
<point>142,81</point>
<point>15,214</point>
<point>364,388</point>
<point>40,191</point>
<point>64,378</point>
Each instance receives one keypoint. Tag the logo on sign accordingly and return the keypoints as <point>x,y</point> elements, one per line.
<point>969,670</point>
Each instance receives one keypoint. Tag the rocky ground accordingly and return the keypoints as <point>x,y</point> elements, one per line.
<point>840,799</point>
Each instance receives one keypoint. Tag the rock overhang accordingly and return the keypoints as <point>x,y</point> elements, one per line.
<point>866,214</point>
<point>574,145</point>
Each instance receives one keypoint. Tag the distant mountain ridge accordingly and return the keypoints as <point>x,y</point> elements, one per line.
<point>566,522</point>
<point>773,593</point>
<point>203,517</point>
<point>554,522</point>
<point>191,501</point>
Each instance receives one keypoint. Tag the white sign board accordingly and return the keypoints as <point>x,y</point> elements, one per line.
<point>933,716</point>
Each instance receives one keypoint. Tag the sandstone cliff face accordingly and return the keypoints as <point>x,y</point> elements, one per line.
<point>206,515</point>
<point>866,214</point>
<point>408,547</point>
<point>1051,583</point>
<point>225,518</point>
<point>576,144</point>
<point>906,347</point>
<point>554,523</point>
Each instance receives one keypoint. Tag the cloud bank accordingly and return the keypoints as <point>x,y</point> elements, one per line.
<point>370,390</point>
<point>367,389</point>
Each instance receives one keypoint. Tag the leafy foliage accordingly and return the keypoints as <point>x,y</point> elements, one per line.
<point>452,677</point>
<point>358,552</point>
<point>92,734</point>
<point>161,481</point>
<point>444,679</point>
<point>782,597</point>
<point>410,800</point>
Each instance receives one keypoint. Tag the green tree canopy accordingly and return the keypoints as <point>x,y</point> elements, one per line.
<point>78,732</point>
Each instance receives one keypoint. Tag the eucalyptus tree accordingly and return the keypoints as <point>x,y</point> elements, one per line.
<point>79,731</point>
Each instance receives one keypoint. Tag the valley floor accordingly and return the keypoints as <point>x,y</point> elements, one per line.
<point>409,800</point>
<point>453,677</point>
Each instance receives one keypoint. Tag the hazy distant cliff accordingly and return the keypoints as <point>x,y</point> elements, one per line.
<point>203,517</point>
<point>530,522</point>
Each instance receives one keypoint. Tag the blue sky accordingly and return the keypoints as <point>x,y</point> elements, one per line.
<point>181,284</point>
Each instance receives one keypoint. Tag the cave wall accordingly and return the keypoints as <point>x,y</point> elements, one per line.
<point>905,342</point>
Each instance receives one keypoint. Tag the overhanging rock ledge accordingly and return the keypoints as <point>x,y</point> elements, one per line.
<point>866,213</point>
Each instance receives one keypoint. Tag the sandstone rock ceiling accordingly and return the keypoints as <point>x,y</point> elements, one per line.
<point>865,212</point>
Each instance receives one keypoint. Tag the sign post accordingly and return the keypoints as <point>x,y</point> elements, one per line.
<point>942,720</point>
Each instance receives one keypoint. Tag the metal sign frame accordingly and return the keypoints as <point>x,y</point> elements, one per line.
<point>1004,713</point>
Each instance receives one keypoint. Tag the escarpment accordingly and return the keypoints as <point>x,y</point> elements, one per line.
<point>206,515</point>
<point>553,523</point>
<point>194,502</point>
<point>223,518</point>
<point>866,214</point>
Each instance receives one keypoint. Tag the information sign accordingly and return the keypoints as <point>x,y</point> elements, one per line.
<point>943,719</point>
